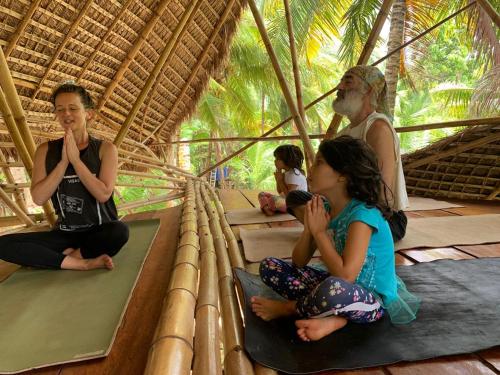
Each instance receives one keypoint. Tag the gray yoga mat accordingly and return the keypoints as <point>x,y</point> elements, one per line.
<point>49,317</point>
<point>460,313</point>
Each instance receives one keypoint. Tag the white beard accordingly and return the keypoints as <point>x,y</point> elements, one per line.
<point>350,105</point>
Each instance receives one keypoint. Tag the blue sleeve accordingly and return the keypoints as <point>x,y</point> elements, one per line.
<point>369,216</point>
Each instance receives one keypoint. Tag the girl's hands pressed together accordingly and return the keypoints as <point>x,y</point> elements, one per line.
<point>316,216</point>
<point>72,151</point>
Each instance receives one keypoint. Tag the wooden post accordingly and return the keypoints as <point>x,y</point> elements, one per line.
<point>308,149</point>
<point>364,56</point>
<point>164,57</point>
<point>488,8</point>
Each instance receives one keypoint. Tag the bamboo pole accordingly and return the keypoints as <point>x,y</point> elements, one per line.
<point>236,361</point>
<point>14,133</point>
<point>150,175</point>
<point>144,186</point>
<point>11,164</point>
<point>488,8</point>
<point>364,56</point>
<point>11,108</point>
<point>166,167</point>
<point>308,149</point>
<point>295,65</point>
<point>171,351</point>
<point>166,54</point>
<point>147,201</point>
<point>10,179</point>
<point>196,67</point>
<point>151,166</point>
<point>207,359</point>
<point>15,208</point>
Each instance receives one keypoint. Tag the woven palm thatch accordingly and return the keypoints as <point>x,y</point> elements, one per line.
<point>145,62</point>
<point>465,166</point>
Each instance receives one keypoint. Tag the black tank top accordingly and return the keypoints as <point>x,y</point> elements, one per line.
<point>76,208</point>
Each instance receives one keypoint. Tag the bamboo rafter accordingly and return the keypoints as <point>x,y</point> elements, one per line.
<point>142,37</point>
<point>195,69</point>
<point>165,56</point>
<point>22,26</point>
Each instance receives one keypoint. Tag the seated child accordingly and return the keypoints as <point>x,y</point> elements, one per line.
<point>289,176</point>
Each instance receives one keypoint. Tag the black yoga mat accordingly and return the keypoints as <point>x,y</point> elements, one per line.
<point>460,313</point>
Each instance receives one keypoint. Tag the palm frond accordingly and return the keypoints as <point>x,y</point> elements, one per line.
<point>486,98</point>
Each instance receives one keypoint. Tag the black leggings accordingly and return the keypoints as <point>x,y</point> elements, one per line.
<point>44,249</point>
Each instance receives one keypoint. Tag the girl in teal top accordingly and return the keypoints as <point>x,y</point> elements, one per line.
<point>357,281</point>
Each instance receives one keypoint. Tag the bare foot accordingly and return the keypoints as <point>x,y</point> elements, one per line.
<point>73,263</point>
<point>103,261</point>
<point>315,329</point>
<point>269,309</point>
<point>267,211</point>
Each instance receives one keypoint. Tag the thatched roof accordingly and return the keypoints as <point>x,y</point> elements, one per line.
<point>114,48</point>
<point>465,166</point>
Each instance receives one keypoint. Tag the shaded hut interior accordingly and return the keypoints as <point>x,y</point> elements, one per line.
<point>146,64</point>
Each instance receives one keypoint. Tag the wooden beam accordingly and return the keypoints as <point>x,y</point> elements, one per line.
<point>488,8</point>
<point>164,57</point>
<point>364,56</point>
<point>453,151</point>
<point>141,39</point>
<point>308,149</point>
<point>62,45</point>
<point>15,208</point>
<point>449,124</point>
<point>149,175</point>
<point>196,67</point>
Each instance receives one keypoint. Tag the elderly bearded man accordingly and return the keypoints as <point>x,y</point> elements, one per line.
<point>362,98</point>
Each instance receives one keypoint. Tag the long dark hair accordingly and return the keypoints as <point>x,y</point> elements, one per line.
<point>354,159</point>
<point>71,87</point>
<point>291,155</point>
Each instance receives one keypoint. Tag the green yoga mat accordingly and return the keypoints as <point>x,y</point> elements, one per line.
<point>49,317</point>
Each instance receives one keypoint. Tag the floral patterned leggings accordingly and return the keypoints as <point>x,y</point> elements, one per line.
<point>318,294</point>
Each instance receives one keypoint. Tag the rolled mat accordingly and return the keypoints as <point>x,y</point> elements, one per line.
<point>459,314</point>
<point>50,317</point>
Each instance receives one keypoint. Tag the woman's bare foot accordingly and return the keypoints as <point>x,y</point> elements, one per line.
<point>316,329</point>
<point>72,263</point>
<point>269,309</point>
<point>267,211</point>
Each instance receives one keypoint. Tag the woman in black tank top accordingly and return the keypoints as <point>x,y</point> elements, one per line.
<point>78,173</point>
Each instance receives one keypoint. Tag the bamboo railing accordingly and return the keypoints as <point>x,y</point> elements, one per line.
<point>171,351</point>
<point>236,361</point>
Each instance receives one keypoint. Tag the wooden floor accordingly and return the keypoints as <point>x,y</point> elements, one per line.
<point>484,362</point>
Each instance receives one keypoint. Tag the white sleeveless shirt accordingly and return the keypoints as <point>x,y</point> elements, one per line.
<point>360,131</point>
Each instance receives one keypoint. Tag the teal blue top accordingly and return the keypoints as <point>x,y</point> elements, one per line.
<point>378,273</point>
